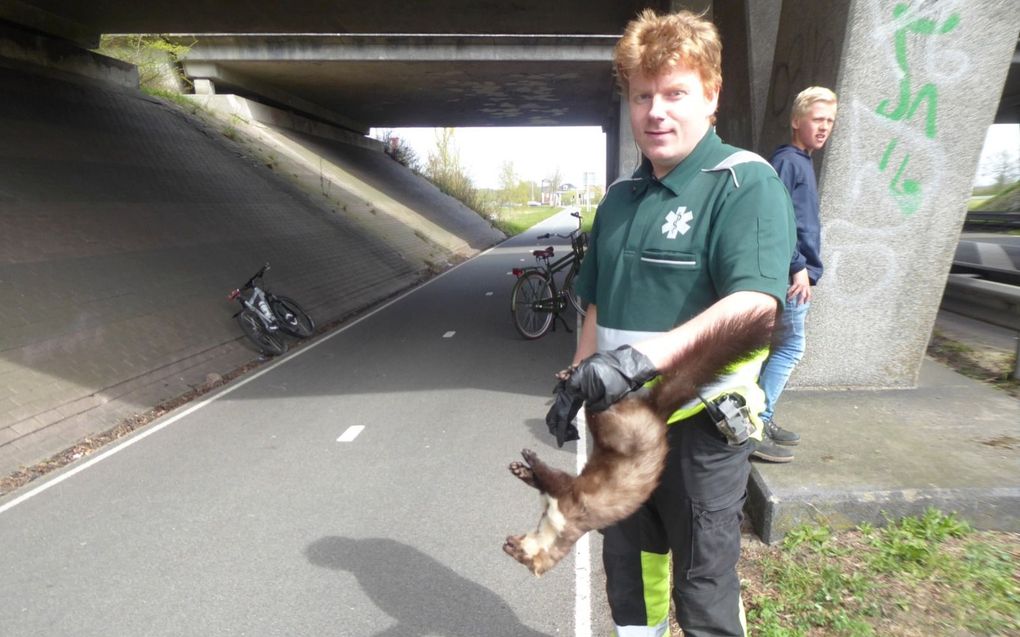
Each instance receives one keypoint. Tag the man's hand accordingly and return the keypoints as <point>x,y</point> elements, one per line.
<point>800,288</point>
<point>606,377</point>
<point>601,380</point>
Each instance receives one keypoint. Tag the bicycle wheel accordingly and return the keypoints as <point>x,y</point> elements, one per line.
<point>267,342</point>
<point>568,290</point>
<point>531,303</point>
<point>292,318</point>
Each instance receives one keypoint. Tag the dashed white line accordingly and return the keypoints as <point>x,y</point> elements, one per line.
<point>172,419</point>
<point>352,432</point>
<point>449,334</point>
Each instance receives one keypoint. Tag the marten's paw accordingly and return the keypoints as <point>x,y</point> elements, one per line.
<point>538,561</point>
<point>515,549</point>
<point>529,456</point>
<point>524,473</point>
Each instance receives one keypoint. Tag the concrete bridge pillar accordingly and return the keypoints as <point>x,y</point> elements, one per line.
<point>622,153</point>
<point>918,85</point>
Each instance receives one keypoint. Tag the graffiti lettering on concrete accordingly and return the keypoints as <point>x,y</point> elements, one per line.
<point>928,93</point>
<point>906,191</point>
<point>891,140</point>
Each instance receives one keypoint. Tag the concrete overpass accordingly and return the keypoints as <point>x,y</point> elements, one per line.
<point>371,28</point>
<point>386,81</point>
<point>455,63</point>
<point>919,86</point>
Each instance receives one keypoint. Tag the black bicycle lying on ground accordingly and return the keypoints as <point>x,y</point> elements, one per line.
<point>539,297</point>
<point>265,317</point>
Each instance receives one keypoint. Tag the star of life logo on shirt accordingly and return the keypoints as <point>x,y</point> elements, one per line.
<point>677,221</point>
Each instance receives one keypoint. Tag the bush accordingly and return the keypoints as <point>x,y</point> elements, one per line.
<point>157,58</point>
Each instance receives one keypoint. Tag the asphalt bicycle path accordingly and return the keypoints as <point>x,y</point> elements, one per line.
<point>356,487</point>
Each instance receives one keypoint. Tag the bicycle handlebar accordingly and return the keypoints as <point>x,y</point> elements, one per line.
<point>569,235</point>
<point>257,275</point>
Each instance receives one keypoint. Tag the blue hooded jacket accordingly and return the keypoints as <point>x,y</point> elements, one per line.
<point>797,172</point>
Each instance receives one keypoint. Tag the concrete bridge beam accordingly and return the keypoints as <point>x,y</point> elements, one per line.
<point>207,76</point>
<point>417,80</point>
<point>51,23</point>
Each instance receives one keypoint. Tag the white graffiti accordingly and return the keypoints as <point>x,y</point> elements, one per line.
<point>894,158</point>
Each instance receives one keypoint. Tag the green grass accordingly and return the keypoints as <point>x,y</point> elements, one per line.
<point>515,220</point>
<point>1007,199</point>
<point>974,202</point>
<point>984,364</point>
<point>926,575</point>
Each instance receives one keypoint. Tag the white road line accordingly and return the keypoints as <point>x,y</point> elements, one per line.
<point>582,550</point>
<point>351,433</point>
<point>449,334</point>
<point>154,428</point>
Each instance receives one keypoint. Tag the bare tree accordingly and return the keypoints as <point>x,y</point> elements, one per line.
<point>508,181</point>
<point>1005,167</point>
<point>555,180</point>
<point>445,170</point>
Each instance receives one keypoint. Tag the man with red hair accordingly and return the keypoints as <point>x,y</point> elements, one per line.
<point>698,237</point>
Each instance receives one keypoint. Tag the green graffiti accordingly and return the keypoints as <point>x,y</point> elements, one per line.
<point>928,94</point>
<point>906,192</point>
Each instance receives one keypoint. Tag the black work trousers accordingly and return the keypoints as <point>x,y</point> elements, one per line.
<point>695,514</point>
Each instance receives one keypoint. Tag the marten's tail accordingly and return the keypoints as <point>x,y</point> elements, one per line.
<point>708,356</point>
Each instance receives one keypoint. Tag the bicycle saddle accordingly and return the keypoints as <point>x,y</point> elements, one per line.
<point>548,252</point>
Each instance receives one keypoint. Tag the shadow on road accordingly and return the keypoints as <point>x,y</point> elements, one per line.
<point>422,595</point>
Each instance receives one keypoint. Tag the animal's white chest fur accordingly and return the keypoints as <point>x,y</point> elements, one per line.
<point>549,527</point>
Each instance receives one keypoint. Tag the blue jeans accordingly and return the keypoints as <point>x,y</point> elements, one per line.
<point>787,350</point>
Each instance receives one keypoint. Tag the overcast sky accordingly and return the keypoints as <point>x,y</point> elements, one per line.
<point>537,152</point>
<point>1001,138</point>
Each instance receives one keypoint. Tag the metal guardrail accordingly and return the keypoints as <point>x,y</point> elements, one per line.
<point>995,258</point>
<point>991,221</point>
<point>988,301</point>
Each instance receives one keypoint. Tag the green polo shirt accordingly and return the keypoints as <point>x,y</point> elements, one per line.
<point>662,251</point>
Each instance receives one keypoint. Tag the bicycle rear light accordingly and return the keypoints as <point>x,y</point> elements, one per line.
<point>517,271</point>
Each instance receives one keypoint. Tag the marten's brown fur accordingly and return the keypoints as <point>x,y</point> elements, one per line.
<point>629,449</point>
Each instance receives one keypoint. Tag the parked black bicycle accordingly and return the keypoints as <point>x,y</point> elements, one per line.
<point>540,296</point>
<point>265,317</point>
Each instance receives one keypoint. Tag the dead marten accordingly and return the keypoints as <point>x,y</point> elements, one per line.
<point>629,449</point>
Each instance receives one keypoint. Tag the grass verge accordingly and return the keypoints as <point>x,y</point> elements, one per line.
<point>929,575</point>
<point>990,366</point>
<point>515,220</point>
<point>922,576</point>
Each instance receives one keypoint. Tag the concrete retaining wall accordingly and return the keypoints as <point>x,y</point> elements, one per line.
<point>124,222</point>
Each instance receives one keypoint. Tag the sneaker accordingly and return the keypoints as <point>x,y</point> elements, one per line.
<point>770,452</point>
<point>779,435</point>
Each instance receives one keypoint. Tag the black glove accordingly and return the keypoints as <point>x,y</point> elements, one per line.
<point>606,377</point>
<point>601,380</point>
